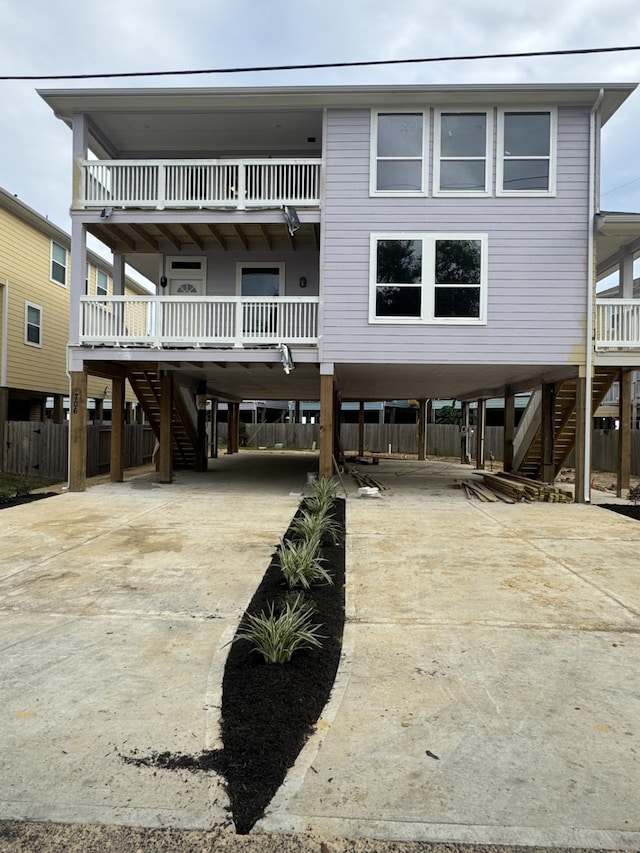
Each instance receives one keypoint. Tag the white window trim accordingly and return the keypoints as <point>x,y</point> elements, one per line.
<point>241,265</point>
<point>66,263</point>
<point>488,157</point>
<point>100,272</point>
<point>553,132</point>
<point>373,154</point>
<point>428,240</point>
<point>28,305</point>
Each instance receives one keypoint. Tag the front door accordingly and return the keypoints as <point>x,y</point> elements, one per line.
<point>265,281</point>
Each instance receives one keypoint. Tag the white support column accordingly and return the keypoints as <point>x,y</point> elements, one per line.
<point>118,274</point>
<point>80,146</point>
<point>77,285</point>
<point>626,276</point>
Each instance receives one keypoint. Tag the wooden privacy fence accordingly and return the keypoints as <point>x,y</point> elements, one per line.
<point>442,439</point>
<point>42,448</point>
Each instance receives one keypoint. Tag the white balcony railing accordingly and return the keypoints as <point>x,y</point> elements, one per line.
<point>238,184</point>
<point>617,323</point>
<point>168,321</point>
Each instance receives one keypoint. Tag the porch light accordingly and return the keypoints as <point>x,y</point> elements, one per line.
<point>291,217</point>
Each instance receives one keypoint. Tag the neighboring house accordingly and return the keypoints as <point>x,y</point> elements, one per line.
<point>354,243</point>
<point>34,315</point>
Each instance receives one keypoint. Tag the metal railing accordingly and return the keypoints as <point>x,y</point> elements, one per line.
<point>198,320</point>
<point>237,184</point>
<point>617,323</point>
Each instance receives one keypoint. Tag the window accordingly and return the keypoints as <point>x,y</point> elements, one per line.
<point>460,153</point>
<point>255,279</point>
<point>32,324</point>
<point>428,278</point>
<point>526,152</point>
<point>397,153</point>
<point>102,283</point>
<point>58,264</point>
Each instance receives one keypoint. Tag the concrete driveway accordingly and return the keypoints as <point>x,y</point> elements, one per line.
<point>489,687</point>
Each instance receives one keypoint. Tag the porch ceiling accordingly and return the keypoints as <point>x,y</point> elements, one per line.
<point>617,236</point>
<point>206,122</point>
<point>142,240</point>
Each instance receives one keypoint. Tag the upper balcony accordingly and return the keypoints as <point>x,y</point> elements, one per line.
<point>196,184</point>
<point>617,324</point>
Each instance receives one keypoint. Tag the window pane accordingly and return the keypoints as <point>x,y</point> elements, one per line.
<point>102,283</point>
<point>59,254</point>
<point>400,135</point>
<point>260,281</point>
<point>399,261</point>
<point>526,175</point>
<point>463,135</point>
<point>57,272</point>
<point>398,301</point>
<point>462,175</point>
<point>457,302</point>
<point>527,134</point>
<point>400,175</point>
<point>186,265</point>
<point>33,315</point>
<point>458,261</point>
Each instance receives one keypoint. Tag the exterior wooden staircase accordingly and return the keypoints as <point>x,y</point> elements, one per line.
<point>184,437</point>
<point>528,455</point>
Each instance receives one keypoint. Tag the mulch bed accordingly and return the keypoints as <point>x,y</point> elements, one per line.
<point>270,710</point>
<point>18,500</point>
<point>631,511</point>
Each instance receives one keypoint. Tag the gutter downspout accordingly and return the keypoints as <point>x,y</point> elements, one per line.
<point>591,284</point>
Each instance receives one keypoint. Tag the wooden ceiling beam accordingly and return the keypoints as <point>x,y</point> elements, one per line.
<point>191,234</point>
<point>123,237</point>
<point>217,236</point>
<point>144,235</point>
<point>265,235</point>
<point>170,236</point>
<point>99,234</point>
<point>241,236</point>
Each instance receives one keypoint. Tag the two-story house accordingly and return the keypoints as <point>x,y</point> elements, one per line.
<point>355,243</point>
<point>34,314</point>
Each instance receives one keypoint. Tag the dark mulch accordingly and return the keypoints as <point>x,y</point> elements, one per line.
<point>18,500</point>
<point>270,710</point>
<point>631,511</point>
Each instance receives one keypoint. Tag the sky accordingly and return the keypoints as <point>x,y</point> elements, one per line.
<point>85,37</point>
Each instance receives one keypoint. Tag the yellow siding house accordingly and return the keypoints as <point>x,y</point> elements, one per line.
<point>34,315</point>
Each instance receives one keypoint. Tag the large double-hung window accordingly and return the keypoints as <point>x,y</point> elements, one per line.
<point>526,152</point>
<point>428,278</point>
<point>461,164</point>
<point>398,149</point>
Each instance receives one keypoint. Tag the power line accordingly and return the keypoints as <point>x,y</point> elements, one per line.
<point>318,65</point>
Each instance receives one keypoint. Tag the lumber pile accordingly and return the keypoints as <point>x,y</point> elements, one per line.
<point>363,479</point>
<point>515,487</point>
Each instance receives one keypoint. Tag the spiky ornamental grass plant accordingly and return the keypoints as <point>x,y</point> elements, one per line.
<point>324,493</point>
<point>315,526</point>
<point>301,563</point>
<point>277,637</point>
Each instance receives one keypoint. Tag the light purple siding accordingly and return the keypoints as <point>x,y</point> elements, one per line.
<point>537,259</point>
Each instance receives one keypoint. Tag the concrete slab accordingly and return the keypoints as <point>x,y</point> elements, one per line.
<point>487,693</point>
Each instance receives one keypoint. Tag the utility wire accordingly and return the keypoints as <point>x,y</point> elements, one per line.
<point>317,65</point>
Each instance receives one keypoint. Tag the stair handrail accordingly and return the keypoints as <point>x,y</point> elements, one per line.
<point>187,407</point>
<point>527,428</point>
